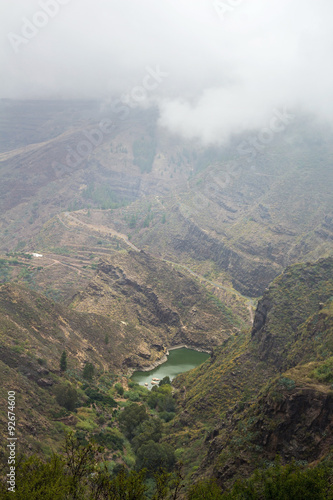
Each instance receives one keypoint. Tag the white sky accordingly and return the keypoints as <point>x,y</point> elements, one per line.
<point>230,63</point>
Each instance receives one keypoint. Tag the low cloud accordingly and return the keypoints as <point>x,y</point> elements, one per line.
<point>229,64</point>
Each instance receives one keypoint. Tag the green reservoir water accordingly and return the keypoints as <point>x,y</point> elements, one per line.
<point>179,361</point>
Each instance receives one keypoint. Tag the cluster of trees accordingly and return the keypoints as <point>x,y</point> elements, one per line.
<point>66,394</point>
<point>138,426</point>
<point>160,399</point>
<point>77,474</point>
<point>88,370</point>
<point>144,433</point>
<point>278,482</point>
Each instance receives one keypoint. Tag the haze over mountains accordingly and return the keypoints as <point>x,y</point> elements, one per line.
<point>221,68</point>
<point>249,210</point>
<point>165,180</point>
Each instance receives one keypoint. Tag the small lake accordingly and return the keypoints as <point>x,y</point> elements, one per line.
<point>179,361</point>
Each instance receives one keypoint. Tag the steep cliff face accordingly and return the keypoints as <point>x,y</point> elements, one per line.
<point>248,274</point>
<point>290,300</point>
<point>292,419</point>
<point>141,294</point>
<point>260,318</point>
<point>298,424</point>
<point>280,338</point>
<point>268,391</point>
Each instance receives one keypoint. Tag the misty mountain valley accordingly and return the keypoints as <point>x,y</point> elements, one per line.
<point>166,251</point>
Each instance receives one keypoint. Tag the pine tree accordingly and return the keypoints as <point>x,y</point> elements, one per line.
<point>63,361</point>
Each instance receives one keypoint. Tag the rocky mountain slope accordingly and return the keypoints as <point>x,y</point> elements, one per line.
<point>243,211</point>
<point>127,316</point>
<point>159,305</point>
<point>267,392</point>
<point>146,241</point>
<point>249,223</point>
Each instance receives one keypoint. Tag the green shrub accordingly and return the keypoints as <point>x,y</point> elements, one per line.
<point>132,395</point>
<point>110,440</point>
<point>66,396</point>
<point>154,456</point>
<point>283,483</point>
<point>88,371</point>
<point>165,380</point>
<point>161,399</point>
<point>96,396</point>
<point>324,373</point>
<point>286,382</point>
<point>131,417</point>
<point>119,388</point>
<point>167,415</point>
<point>149,430</point>
<point>206,490</point>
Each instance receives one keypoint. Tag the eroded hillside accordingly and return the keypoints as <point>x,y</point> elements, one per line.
<point>267,392</point>
<point>236,213</point>
<point>146,241</point>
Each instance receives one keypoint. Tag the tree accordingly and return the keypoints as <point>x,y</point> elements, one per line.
<point>153,456</point>
<point>127,485</point>
<point>149,430</point>
<point>283,482</point>
<point>66,396</point>
<point>165,380</point>
<point>160,398</point>
<point>207,489</point>
<point>88,371</point>
<point>77,474</point>
<point>63,361</point>
<point>131,417</point>
<point>80,462</point>
<point>119,388</point>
